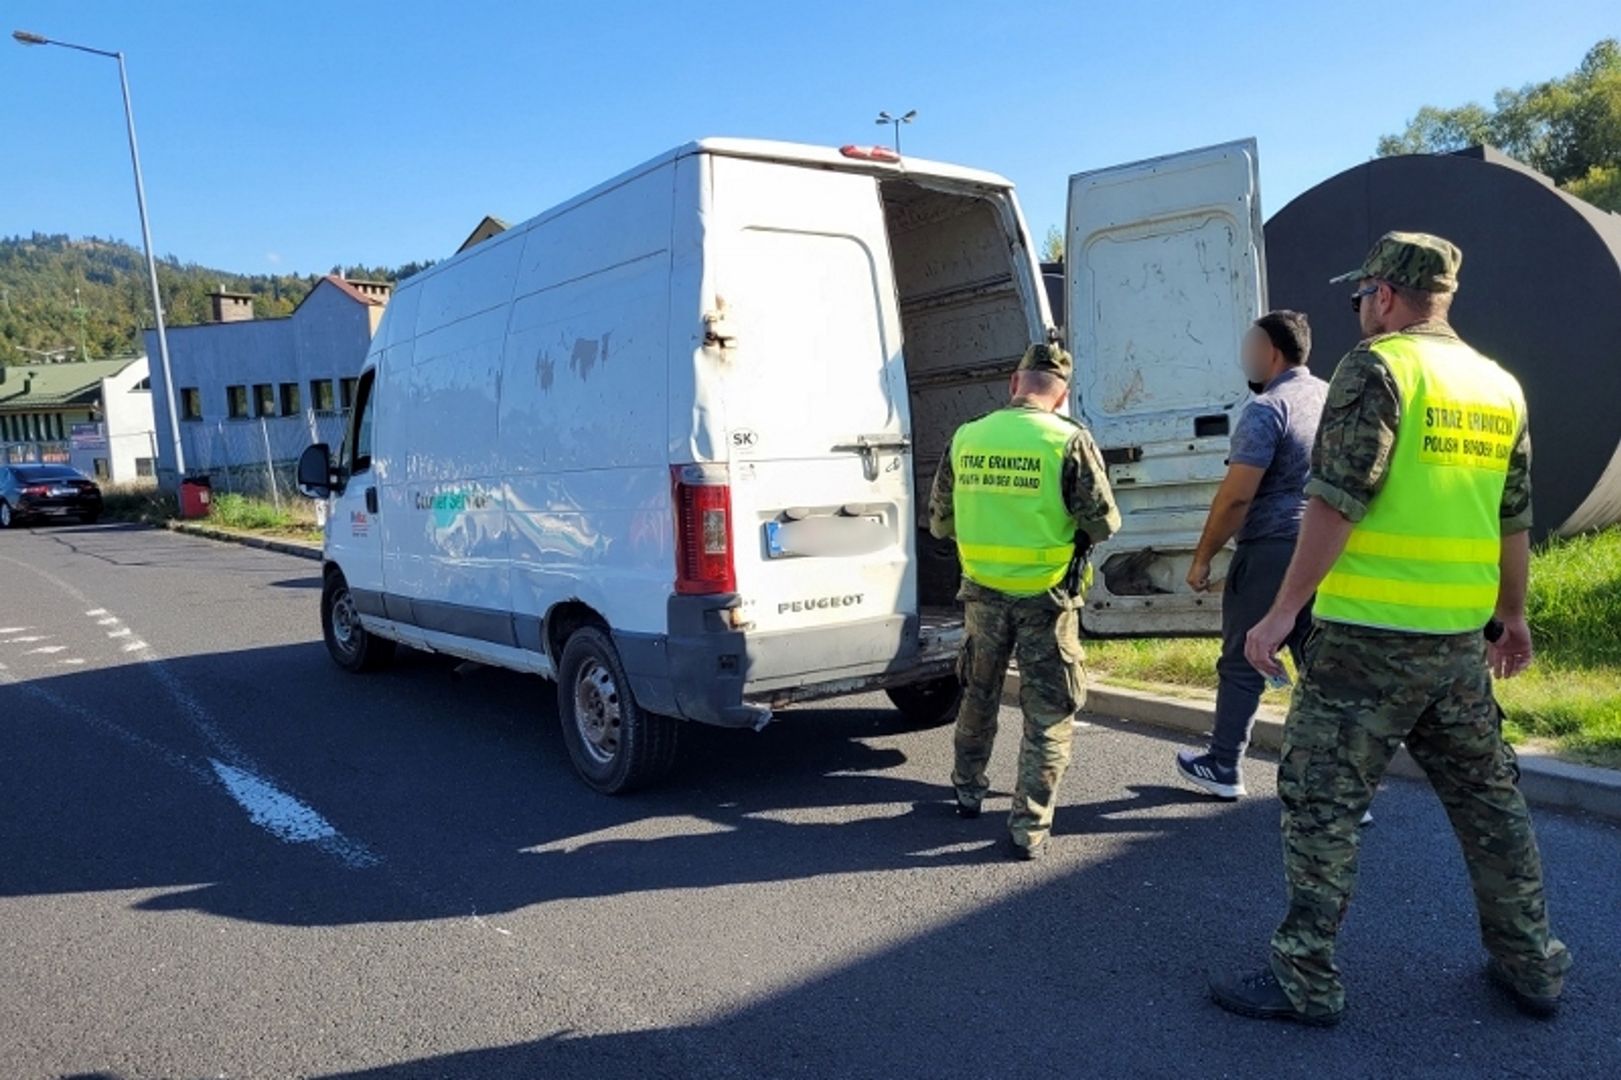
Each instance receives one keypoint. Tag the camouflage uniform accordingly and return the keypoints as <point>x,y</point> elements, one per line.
<point>1365,691</point>
<point>1042,632</point>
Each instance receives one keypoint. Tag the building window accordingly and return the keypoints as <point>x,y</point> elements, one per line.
<point>101,468</point>
<point>321,395</point>
<point>236,402</point>
<point>144,384</point>
<point>144,467</point>
<point>290,403</point>
<point>191,403</point>
<point>264,399</point>
<point>346,393</point>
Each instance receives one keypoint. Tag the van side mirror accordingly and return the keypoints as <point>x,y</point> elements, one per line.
<point>315,477</point>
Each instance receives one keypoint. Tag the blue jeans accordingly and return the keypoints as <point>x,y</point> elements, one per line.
<point>1253,579</point>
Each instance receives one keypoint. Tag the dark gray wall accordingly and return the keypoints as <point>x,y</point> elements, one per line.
<point>1540,291</point>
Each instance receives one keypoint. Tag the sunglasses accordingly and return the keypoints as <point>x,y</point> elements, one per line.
<point>1356,297</point>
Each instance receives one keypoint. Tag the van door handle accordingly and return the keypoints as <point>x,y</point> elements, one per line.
<point>869,445</point>
<point>371,500</point>
<point>865,444</point>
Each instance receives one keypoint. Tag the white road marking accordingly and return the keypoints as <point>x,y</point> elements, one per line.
<point>480,920</point>
<point>111,620</point>
<point>46,650</point>
<point>14,629</point>
<point>282,814</point>
<point>284,817</point>
<point>71,663</point>
<point>25,640</point>
<point>124,632</point>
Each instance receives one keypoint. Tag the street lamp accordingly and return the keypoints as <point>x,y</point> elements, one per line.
<point>25,38</point>
<point>885,118</point>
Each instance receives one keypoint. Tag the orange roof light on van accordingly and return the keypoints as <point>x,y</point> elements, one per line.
<point>870,153</point>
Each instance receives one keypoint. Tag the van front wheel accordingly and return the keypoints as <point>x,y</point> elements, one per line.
<point>927,704</point>
<point>352,648</point>
<point>615,745</point>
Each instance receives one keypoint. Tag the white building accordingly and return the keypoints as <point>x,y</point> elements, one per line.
<point>94,415</point>
<point>252,392</point>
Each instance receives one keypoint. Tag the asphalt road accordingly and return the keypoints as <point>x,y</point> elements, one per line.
<point>221,856</point>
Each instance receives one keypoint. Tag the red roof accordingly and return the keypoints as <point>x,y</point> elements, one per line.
<point>352,292</point>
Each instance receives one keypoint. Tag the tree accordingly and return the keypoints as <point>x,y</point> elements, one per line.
<point>1568,127</point>
<point>1052,248</point>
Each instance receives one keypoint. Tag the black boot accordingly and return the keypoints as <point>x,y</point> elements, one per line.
<point>1259,996</point>
<point>1540,1006</point>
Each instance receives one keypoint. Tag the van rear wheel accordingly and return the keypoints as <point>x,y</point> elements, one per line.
<point>615,745</point>
<point>352,648</point>
<point>927,704</point>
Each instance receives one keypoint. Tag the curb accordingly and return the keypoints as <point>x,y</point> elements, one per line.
<point>1544,779</point>
<point>231,536</point>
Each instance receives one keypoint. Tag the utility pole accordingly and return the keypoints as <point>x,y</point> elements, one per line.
<point>25,38</point>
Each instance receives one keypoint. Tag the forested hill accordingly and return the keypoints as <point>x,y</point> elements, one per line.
<point>51,286</point>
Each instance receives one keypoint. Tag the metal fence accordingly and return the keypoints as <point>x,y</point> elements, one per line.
<point>257,457</point>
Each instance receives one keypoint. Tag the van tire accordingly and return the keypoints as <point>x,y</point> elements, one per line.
<point>927,704</point>
<point>350,645</point>
<point>615,744</point>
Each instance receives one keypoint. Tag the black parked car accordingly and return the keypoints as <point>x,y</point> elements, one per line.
<point>48,492</point>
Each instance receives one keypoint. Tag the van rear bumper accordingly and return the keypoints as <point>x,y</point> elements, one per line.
<point>705,671</point>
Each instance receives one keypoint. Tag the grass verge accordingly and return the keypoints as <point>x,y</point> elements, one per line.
<point>296,520</point>
<point>1570,701</point>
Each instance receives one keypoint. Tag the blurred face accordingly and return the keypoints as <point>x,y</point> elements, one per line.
<point>1258,358</point>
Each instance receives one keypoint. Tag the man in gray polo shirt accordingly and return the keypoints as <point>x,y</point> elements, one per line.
<point>1260,501</point>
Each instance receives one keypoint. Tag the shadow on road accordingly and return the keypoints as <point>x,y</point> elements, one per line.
<point>463,788</point>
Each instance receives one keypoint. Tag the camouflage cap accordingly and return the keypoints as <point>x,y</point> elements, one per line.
<point>1048,358</point>
<point>1416,260</point>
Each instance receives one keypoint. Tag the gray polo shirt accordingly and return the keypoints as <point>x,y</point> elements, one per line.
<point>1275,433</point>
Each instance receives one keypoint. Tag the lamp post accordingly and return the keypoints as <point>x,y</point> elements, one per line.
<point>26,38</point>
<point>907,118</point>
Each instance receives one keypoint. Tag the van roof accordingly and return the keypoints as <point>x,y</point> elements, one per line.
<point>826,157</point>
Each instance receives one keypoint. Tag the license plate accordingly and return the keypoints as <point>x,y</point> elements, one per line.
<point>830,536</point>
<point>59,492</point>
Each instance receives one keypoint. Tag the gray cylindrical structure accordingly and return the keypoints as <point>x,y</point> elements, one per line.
<point>1540,293</point>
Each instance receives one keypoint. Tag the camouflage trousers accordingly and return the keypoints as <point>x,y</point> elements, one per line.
<point>1052,687</point>
<point>1364,692</point>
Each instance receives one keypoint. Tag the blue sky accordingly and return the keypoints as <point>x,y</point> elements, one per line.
<point>297,135</point>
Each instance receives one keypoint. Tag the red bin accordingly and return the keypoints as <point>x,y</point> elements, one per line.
<point>194,497</point>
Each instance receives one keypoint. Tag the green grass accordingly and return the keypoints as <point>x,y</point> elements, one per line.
<point>230,511</point>
<point>1570,701</point>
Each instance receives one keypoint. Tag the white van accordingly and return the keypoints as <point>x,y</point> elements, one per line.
<point>670,443</point>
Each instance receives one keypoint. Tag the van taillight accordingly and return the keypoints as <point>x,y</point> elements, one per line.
<point>703,530</point>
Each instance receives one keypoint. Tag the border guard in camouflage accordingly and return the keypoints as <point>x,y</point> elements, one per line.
<point>1025,493</point>
<point>1415,539</point>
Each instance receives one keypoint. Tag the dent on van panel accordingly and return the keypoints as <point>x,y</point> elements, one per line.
<point>584,373</point>
<point>604,537</point>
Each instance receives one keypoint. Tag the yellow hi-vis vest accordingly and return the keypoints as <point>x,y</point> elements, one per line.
<point>1425,558</point>
<point>1014,533</point>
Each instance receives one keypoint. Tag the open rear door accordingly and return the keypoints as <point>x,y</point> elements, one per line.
<point>1165,271</point>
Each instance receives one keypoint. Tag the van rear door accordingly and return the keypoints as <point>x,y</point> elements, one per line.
<point>816,417</point>
<point>1165,271</point>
